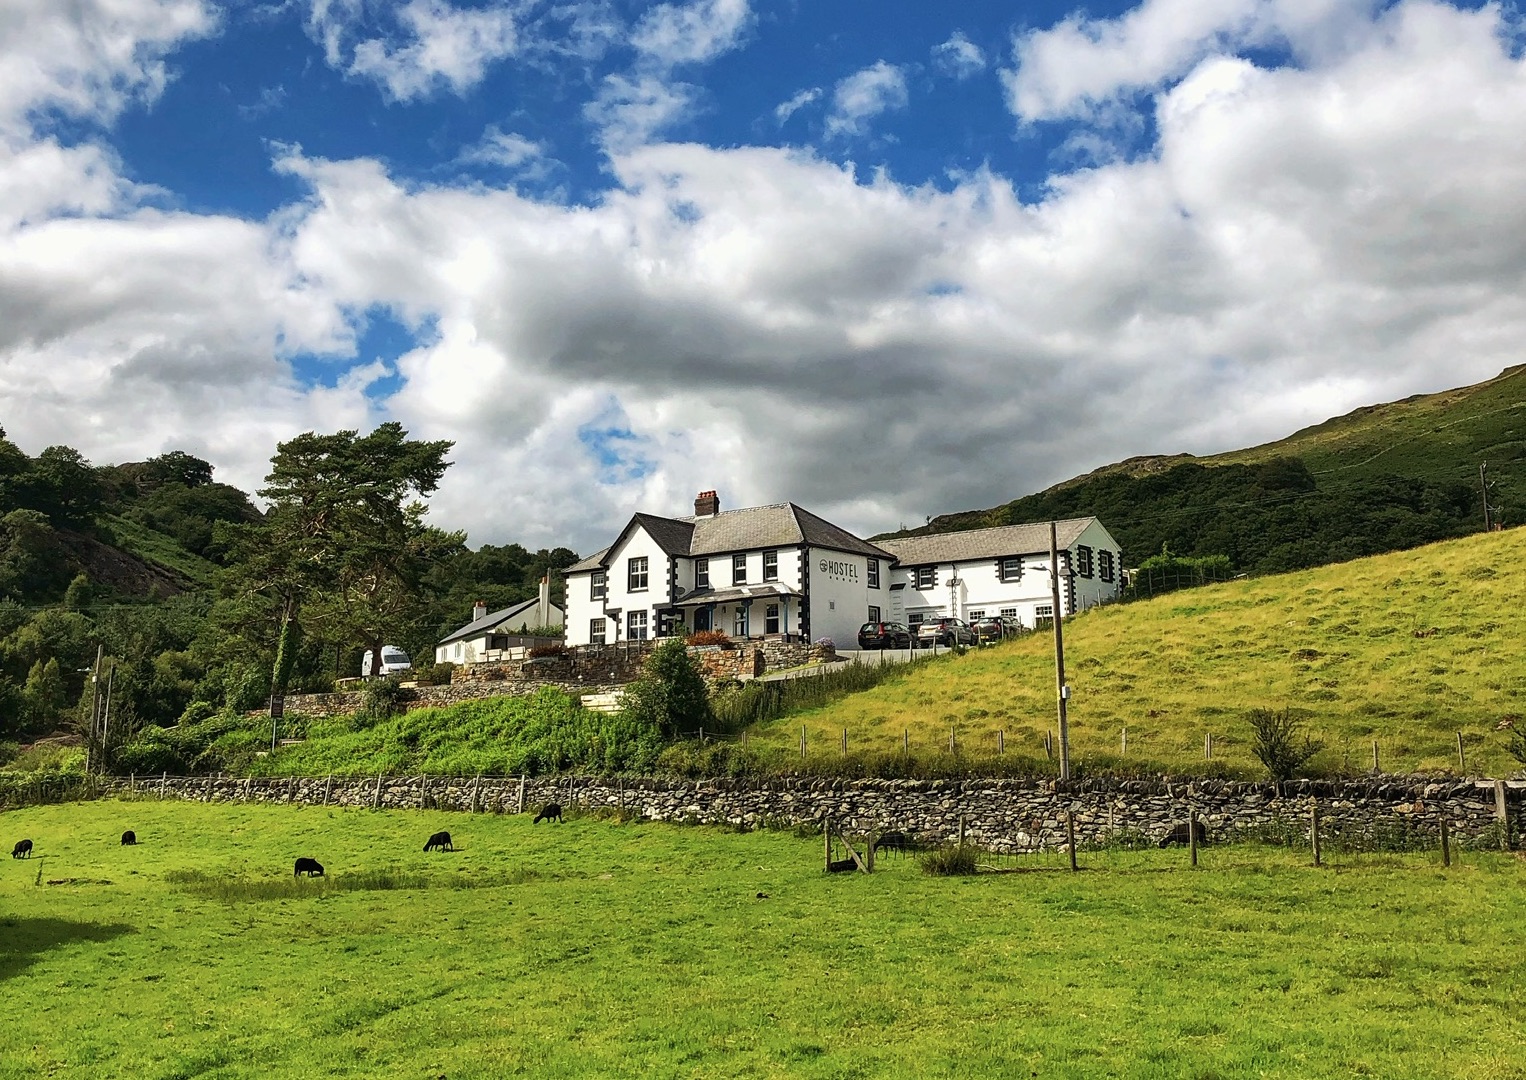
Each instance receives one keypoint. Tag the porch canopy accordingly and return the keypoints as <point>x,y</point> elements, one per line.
<point>743,596</point>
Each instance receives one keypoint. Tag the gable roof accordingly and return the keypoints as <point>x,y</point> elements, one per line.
<point>777,525</point>
<point>490,621</point>
<point>993,543</point>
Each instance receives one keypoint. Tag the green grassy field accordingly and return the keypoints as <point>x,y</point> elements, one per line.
<point>1408,649</point>
<point>602,949</point>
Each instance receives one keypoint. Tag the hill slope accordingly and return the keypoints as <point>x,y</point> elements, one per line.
<point>1407,648</point>
<point>1381,478</point>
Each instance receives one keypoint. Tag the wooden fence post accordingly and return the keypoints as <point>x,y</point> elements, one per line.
<point>1446,846</point>
<point>164,782</point>
<point>826,840</point>
<point>802,740</point>
<point>1462,760</point>
<point>1314,830</point>
<point>1123,743</point>
<point>906,740</point>
<point>519,806</point>
<point>1208,746</point>
<point>1001,742</point>
<point>1502,814</point>
<point>961,830</point>
<point>1375,766</point>
<point>376,795</point>
<point>1192,834</point>
<point>476,787</point>
<point>845,742</point>
<point>951,743</point>
<point>328,786</point>
<point>1070,836</point>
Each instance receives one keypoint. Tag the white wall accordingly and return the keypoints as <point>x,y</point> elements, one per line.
<point>981,588</point>
<point>840,596</point>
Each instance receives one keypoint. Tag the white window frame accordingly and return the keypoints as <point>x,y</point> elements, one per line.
<point>1104,565</point>
<point>739,569</point>
<point>771,619</point>
<point>637,567</point>
<point>598,631</point>
<point>701,573</point>
<point>598,585</point>
<point>1083,561</point>
<point>635,626</point>
<point>771,565</point>
<point>1011,569</point>
<point>929,573</point>
<point>1009,612</point>
<point>1043,611</point>
<point>874,614</point>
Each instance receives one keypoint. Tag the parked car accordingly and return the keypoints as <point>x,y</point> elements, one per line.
<point>993,628</point>
<point>884,635</point>
<point>948,631</point>
<point>393,661</point>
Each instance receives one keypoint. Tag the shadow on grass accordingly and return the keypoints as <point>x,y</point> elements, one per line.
<point>23,941</point>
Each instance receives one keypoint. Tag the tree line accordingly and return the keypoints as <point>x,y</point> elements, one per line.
<point>340,560</point>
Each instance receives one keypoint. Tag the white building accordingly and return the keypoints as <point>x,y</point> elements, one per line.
<point>1002,571</point>
<point>764,571</point>
<point>490,634</point>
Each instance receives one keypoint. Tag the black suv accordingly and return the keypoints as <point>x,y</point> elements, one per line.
<point>884,635</point>
<point>993,628</point>
<point>948,632</point>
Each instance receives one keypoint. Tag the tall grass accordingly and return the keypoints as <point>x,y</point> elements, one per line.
<point>1406,649</point>
<point>237,888</point>
<point>759,702</point>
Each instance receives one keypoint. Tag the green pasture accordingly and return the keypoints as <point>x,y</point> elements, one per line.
<point>1407,649</point>
<point>604,949</point>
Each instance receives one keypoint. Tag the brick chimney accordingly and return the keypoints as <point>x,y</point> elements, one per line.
<point>479,610</point>
<point>707,504</point>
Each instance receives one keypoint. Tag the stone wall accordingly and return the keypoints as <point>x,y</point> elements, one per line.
<point>1002,815</point>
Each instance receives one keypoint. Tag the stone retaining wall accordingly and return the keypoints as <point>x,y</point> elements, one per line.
<point>1002,815</point>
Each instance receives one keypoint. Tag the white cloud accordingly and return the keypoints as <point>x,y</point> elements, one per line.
<point>445,46</point>
<point>1300,241</point>
<point>505,149</point>
<point>786,109</point>
<point>89,58</point>
<point>697,33</point>
<point>959,57</point>
<point>633,109</point>
<point>864,95</point>
<point>1082,63</point>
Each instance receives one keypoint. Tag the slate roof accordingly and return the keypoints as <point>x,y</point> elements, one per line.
<point>777,525</point>
<point>488,622</point>
<point>984,543</point>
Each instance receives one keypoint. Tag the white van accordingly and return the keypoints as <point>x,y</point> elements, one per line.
<point>393,661</point>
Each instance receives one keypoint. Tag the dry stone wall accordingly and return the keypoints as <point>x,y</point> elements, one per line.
<point>1002,815</point>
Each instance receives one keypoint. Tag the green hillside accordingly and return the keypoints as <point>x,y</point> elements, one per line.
<point>1408,649</point>
<point>1382,478</point>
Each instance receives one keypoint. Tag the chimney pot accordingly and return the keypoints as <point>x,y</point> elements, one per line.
<point>707,504</point>
<point>479,610</point>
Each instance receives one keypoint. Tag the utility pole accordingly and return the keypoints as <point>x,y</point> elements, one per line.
<point>1062,691</point>
<point>95,710</point>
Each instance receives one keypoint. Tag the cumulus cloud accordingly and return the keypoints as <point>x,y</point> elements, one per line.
<point>1301,240</point>
<point>671,34</point>
<point>1079,65</point>
<point>864,95</point>
<point>443,46</point>
<point>959,57</point>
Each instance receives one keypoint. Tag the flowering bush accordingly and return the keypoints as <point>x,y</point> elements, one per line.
<point>710,637</point>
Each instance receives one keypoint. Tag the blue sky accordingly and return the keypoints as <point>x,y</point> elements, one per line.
<point>884,259</point>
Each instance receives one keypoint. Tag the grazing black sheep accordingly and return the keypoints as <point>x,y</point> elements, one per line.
<point>439,841</point>
<point>1179,834</point>
<point>894,841</point>
<point>129,838</point>
<point>22,850</point>
<point>550,812</point>
<point>310,867</point>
